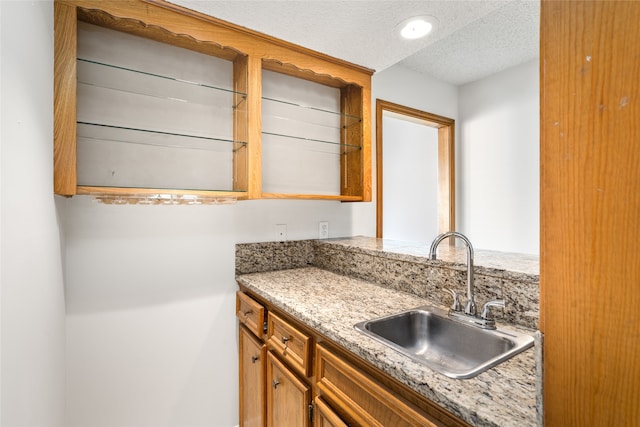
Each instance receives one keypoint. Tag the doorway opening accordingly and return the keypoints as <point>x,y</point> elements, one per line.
<point>415,149</point>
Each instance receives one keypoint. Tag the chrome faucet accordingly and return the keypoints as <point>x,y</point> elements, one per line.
<point>470,307</point>
<point>485,320</point>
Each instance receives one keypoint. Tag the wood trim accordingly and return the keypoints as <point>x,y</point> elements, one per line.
<point>115,191</point>
<point>446,162</point>
<point>590,200</point>
<point>323,415</point>
<point>240,124</point>
<point>311,197</point>
<point>64,100</point>
<point>156,32</point>
<point>254,124</point>
<point>261,36</point>
<point>446,180</point>
<point>206,29</point>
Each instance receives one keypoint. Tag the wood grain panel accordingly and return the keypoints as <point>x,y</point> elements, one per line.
<point>64,100</point>
<point>351,162</point>
<point>250,313</point>
<point>590,199</point>
<point>367,403</point>
<point>240,124</point>
<point>252,372</point>
<point>323,415</point>
<point>288,342</point>
<point>207,29</point>
<point>288,398</point>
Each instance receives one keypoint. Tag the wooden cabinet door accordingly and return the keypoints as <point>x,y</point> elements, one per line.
<point>288,398</point>
<point>252,379</point>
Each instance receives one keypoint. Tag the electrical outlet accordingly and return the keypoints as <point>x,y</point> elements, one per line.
<point>323,230</point>
<point>281,232</point>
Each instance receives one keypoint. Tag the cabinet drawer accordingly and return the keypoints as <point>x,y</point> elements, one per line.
<point>250,313</point>
<point>323,415</point>
<point>289,343</point>
<point>366,402</point>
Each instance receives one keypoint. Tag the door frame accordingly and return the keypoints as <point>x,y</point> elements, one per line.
<point>446,161</point>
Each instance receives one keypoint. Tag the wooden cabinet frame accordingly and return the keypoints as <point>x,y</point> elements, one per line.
<point>250,52</point>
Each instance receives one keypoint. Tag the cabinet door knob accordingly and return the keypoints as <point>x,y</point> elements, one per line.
<point>276,383</point>
<point>285,340</point>
<point>254,359</point>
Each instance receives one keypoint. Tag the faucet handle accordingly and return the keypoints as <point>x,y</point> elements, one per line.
<point>455,306</point>
<point>486,313</point>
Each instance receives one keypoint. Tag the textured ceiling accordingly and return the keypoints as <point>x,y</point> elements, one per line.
<point>472,39</point>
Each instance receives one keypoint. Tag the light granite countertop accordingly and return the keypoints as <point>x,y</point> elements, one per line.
<point>332,304</point>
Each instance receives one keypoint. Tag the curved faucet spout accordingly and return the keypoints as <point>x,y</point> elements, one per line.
<point>470,307</point>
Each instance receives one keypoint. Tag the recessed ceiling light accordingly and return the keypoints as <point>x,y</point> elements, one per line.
<point>415,28</point>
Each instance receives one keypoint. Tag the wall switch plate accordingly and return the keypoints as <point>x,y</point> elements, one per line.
<point>281,232</point>
<point>323,230</point>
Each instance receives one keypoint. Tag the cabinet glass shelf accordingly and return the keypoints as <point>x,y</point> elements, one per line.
<point>128,80</point>
<point>158,138</point>
<point>308,113</point>
<point>311,144</point>
<point>124,157</point>
<point>305,123</point>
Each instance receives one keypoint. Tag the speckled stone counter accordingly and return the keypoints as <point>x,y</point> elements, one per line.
<point>333,303</point>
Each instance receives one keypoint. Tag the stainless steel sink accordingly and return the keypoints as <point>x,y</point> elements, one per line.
<point>457,350</point>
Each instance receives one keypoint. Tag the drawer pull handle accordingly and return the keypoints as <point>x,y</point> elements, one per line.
<point>276,383</point>
<point>254,359</point>
<point>285,340</point>
<point>246,313</point>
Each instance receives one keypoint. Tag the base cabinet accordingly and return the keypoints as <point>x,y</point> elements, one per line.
<point>293,376</point>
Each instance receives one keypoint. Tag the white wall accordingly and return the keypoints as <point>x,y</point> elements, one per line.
<point>32,307</point>
<point>150,293</point>
<point>410,181</point>
<point>151,332</point>
<point>498,174</point>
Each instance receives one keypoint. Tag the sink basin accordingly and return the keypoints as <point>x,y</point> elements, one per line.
<point>457,350</point>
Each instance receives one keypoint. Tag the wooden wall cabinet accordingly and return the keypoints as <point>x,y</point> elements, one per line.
<point>237,155</point>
